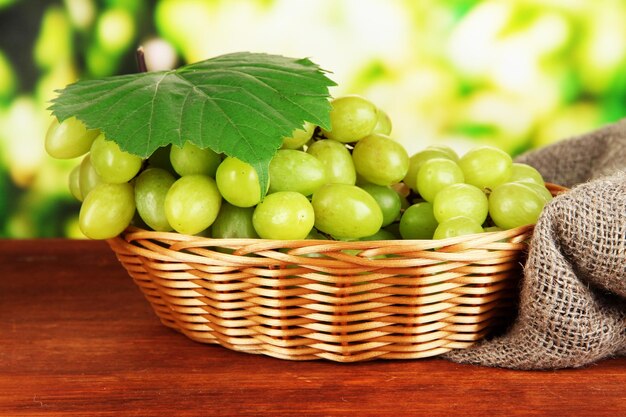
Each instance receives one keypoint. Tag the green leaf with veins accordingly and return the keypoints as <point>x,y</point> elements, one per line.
<point>239,104</point>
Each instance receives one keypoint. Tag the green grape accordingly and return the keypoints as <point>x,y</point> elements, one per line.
<point>88,177</point>
<point>346,211</point>
<point>539,189</point>
<point>192,204</point>
<point>137,221</point>
<point>417,160</point>
<point>69,139</point>
<point>314,234</point>
<point>383,123</point>
<point>337,161</point>
<point>461,200</point>
<point>238,183</point>
<point>382,234</point>
<point>457,226</point>
<point>161,159</point>
<point>380,160</point>
<point>351,118</point>
<point>360,180</point>
<point>445,149</point>
<point>285,215</point>
<point>436,174</point>
<point>111,163</point>
<point>74,183</point>
<point>208,233</point>
<point>525,173</point>
<point>403,192</point>
<point>299,137</point>
<point>418,221</point>
<point>233,222</point>
<point>486,167</point>
<point>394,229</point>
<point>107,210</point>
<point>115,30</point>
<point>192,160</point>
<point>404,202</point>
<point>515,204</point>
<point>388,200</point>
<point>151,187</point>
<point>293,170</point>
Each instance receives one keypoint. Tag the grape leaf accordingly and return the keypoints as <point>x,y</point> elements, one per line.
<point>240,104</point>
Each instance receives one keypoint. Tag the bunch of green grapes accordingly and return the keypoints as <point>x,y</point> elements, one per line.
<point>483,190</point>
<point>347,183</point>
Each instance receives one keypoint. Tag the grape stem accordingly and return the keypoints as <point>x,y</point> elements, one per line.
<point>141,59</point>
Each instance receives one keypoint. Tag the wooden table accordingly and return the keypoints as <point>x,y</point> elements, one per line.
<point>77,338</point>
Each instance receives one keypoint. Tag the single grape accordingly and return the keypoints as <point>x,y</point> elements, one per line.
<point>233,222</point>
<point>69,139</point>
<point>346,211</point>
<point>114,30</point>
<point>539,189</point>
<point>461,200</point>
<point>351,118</point>
<point>361,181</point>
<point>445,149</point>
<point>161,159</point>
<point>285,215</point>
<point>111,163</point>
<point>380,160</point>
<point>394,229</point>
<point>151,187</point>
<point>293,170</point>
<point>417,160</point>
<point>515,204</point>
<point>382,234</point>
<point>525,173</point>
<point>383,123</point>
<point>457,226</point>
<point>486,167</point>
<point>388,200</point>
<point>315,234</point>
<point>403,191</point>
<point>299,137</point>
<point>238,182</point>
<point>337,161</point>
<point>436,174</point>
<point>191,160</point>
<point>88,177</point>
<point>74,183</point>
<point>107,210</point>
<point>418,221</point>
<point>192,204</point>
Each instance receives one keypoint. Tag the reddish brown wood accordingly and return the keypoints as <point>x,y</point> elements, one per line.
<point>78,339</point>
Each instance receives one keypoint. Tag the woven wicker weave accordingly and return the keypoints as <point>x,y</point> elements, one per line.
<point>341,301</point>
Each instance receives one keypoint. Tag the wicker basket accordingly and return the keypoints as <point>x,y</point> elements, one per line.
<point>341,301</point>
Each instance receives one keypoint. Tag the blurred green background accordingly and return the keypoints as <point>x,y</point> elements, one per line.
<point>518,74</point>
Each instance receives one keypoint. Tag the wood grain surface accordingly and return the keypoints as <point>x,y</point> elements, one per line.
<point>77,338</point>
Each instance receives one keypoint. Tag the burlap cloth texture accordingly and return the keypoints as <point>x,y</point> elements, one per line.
<point>572,305</point>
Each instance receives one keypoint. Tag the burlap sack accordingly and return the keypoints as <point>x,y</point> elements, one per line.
<point>572,307</point>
